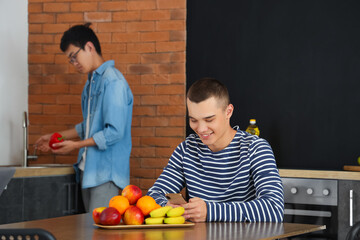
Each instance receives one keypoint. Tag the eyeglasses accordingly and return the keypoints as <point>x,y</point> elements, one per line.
<point>72,59</point>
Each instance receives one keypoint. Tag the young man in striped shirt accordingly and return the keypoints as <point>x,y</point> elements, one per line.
<point>229,174</point>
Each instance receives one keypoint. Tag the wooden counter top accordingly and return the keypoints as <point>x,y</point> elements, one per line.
<point>45,171</point>
<point>341,175</point>
<point>296,173</point>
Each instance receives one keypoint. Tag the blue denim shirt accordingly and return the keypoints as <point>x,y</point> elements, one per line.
<point>111,103</point>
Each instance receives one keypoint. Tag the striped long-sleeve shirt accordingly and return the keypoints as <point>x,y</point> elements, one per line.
<point>238,183</point>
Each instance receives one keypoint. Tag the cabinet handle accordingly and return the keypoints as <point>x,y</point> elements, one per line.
<point>76,199</point>
<point>69,198</point>
<point>66,211</point>
<point>351,217</point>
<point>72,198</point>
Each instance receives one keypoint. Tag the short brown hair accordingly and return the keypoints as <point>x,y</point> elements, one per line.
<point>206,88</point>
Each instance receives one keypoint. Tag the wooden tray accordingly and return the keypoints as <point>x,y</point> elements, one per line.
<point>123,226</point>
<point>352,168</point>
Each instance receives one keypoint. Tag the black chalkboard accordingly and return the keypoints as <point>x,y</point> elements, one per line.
<point>293,65</point>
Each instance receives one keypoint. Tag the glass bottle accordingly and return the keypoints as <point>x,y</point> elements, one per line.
<point>253,128</point>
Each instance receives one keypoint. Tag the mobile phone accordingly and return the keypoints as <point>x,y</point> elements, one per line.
<point>175,198</point>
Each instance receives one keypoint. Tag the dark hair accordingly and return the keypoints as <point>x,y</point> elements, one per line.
<point>206,88</point>
<point>79,35</point>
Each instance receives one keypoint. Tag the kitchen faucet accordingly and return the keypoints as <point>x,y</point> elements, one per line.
<point>26,156</point>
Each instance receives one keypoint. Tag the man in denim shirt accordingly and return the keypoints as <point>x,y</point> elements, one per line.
<point>105,132</point>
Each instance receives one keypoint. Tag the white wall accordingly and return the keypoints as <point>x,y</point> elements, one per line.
<point>13,78</point>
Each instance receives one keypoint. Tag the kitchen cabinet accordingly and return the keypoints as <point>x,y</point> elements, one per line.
<point>345,206</point>
<point>31,198</point>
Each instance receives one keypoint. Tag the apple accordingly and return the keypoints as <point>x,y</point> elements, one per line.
<point>96,214</point>
<point>110,216</point>
<point>132,193</point>
<point>133,216</point>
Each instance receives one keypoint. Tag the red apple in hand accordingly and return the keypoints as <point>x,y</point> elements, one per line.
<point>96,214</point>
<point>133,216</point>
<point>110,216</point>
<point>132,193</point>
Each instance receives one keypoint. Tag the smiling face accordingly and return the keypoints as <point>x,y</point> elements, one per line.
<point>211,121</point>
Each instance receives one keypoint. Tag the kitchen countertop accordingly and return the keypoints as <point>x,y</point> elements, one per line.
<point>296,173</point>
<point>300,173</point>
<point>42,171</point>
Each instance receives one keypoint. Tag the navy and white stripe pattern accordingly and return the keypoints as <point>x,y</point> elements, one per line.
<point>238,183</point>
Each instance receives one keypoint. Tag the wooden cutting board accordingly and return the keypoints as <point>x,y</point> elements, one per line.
<point>352,168</point>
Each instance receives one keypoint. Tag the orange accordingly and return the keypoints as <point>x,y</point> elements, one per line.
<point>147,204</point>
<point>120,203</point>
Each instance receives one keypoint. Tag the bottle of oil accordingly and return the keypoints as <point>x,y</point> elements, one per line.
<point>252,128</point>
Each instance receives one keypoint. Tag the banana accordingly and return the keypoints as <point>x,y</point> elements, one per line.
<point>153,220</point>
<point>175,212</point>
<point>157,216</point>
<point>160,212</point>
<point>174,234</point>
<point>174,220</point>
<point>153,235</point>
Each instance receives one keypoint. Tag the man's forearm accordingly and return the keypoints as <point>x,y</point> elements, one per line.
<point>259,210</point>
<point>85,143</point>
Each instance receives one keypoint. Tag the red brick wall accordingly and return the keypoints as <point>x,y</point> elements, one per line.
<point>146,38</point>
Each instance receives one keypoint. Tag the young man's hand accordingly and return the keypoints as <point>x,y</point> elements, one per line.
<point>42,143</point>
<point>195,210</point>
<point>65,147</point>
<point>172,205</point>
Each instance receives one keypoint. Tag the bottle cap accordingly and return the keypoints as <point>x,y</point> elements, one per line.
<point>252,121</point>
